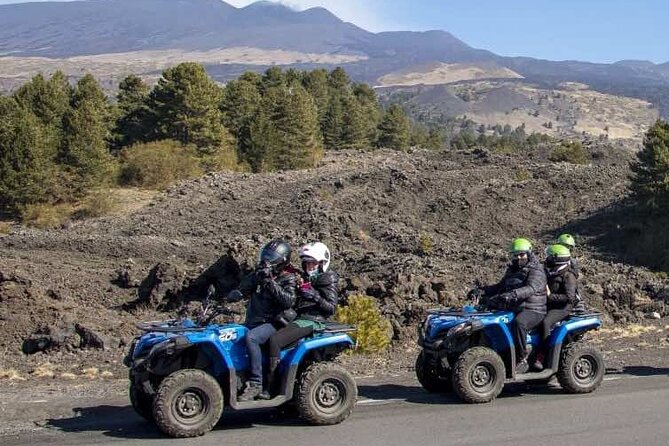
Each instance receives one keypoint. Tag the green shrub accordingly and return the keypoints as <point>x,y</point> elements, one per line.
<point>158,164</point>
<point>425,245</point>
<point>46,216</point>
<point>5,227</point>
<point>522,175</point>
<point>223,159</point>
<point>96,204</point>
<point>372,329</point>
<point>570,152</point>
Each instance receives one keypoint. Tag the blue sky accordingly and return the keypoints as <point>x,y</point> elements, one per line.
<point>592,30</point>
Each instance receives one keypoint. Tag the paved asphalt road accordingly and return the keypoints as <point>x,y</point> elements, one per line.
<point>626,410</point>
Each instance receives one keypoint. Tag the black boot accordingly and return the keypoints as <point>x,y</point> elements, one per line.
<point>251,391</point>
<point>273,364</point>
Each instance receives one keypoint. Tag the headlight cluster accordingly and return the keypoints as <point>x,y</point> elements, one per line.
<point>459,329</point>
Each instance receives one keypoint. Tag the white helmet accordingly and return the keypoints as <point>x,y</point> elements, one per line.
<point>317,251</point>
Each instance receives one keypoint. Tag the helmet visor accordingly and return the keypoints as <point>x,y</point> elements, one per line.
<point>270,256</point>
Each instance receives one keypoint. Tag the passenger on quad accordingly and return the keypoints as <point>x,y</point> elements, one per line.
<point>273,285</point>
<point>317,300</point>
<point>563,296</point>
<point>567,240</point>
<point>523,291</point>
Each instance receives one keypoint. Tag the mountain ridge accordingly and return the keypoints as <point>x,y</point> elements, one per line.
<point>94,27</point>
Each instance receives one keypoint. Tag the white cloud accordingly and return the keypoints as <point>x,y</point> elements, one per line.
<point>354,11</point>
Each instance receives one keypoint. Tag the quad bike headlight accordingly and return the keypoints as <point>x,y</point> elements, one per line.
<point>459,329</point>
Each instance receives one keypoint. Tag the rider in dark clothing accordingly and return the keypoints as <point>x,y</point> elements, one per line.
<point>563,286</point>
<point>523,291</point>
<point>317,301</point>
<point>274,288</point>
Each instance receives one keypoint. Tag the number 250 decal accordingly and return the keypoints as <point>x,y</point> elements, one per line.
<point>227,335</point>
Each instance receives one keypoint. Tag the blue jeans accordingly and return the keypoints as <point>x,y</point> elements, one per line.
<point>256,337</point>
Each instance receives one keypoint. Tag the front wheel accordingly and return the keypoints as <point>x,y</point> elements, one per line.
<point>478,375</point>
<point>188,403</point>
<point>141,402</point>
<point>581,368</point>
<point>429,377</point>
<point>326,394</point>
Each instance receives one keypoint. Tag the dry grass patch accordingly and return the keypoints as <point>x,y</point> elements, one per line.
<point>45,370</point>
<point>91,372</point>
<point>68,375</point>
<point>11,375</point>
<point>629,331</point>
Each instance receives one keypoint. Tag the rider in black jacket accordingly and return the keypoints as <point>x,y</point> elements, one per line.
<point>274,287</point>
<point>317,300</point>
<point>563,286</point>
<point>523,291</point>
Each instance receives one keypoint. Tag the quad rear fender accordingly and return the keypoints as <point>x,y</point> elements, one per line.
<point>321,348</point>
<point>567,332</point>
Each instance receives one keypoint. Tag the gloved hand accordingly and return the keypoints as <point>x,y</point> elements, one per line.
<point>234,296</point>
<point>309,293</point>
<point>264,273</point>
<point>508,299</point>
<point>474,295</point>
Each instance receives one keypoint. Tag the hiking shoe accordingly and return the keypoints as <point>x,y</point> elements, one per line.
<point>538,362</point>
<point>522,367</point>
<point>251,391</point>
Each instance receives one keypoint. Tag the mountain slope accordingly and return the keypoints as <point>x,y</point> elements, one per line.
<point>95,27</point>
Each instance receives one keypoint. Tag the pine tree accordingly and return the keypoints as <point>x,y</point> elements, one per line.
<point>371,111</point>
<point>185,107</point>
<point>316,84</point>
<point>355,134</point>
<point>26,165</point>
<point>240,104</point>
<point>84,150</point>
<point>48,100</point>
<point>338,80</point>
<point>650,179</point>
<point>133,124</point>
<point>298,142</point>
<point>274,77</point>
<point>394,129</point>
<point>333,123</point>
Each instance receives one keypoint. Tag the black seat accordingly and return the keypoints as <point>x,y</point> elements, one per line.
<point>335,327</point>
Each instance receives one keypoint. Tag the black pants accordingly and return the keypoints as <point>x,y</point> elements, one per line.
<point>286,336</point>
<point>525,321</point>
<point>553,317</point>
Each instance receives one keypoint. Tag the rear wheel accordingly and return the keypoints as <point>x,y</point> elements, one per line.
<point>581,368</point>
<point>478,375</point>
<point>326,394</point>
<point>428,376</point>
<point>188,403</point>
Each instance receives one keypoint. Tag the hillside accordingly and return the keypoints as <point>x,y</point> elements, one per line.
<point>568,110</point>
<point>412,229</point>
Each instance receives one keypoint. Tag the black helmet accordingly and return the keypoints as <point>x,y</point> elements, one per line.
<point>276,254</point>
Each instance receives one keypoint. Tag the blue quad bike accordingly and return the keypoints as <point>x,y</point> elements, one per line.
<point>471,351</point>
<point>183,374</point>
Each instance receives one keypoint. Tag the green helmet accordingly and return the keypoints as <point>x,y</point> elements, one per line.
<point>566,240</point>
<point>560,254</point>
<point>520,245</point>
